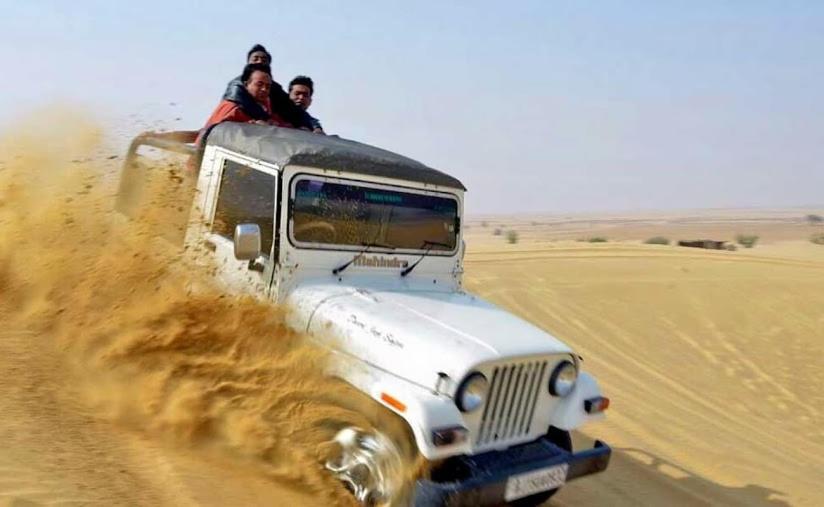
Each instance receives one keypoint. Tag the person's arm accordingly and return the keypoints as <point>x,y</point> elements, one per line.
<point>237,93</point>
<point>227,111</point>
<point>283,106</point>
<point>317,128</point>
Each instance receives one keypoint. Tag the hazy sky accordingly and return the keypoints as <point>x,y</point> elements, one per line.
<point>539,106</point>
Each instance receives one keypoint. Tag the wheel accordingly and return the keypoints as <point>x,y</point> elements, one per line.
<point>563,440</point>
<point>369,464</point>
<point>374,453</point>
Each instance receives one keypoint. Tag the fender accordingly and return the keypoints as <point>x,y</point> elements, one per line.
<point>422,409</point>
<point>569,413</point>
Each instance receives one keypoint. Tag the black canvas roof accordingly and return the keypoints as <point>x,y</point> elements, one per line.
<point>284,146</point>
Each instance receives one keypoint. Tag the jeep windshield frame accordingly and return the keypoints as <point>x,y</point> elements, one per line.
<point>342,214</point>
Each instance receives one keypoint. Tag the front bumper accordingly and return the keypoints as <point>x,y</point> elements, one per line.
<point>482,480</point>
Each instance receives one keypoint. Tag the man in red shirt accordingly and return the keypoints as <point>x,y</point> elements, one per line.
<point>257,79</point>
<point>279,101</point>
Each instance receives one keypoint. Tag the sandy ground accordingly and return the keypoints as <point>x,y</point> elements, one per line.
<point>56,451</point>
<point>118,386</point>
<point>714,360</point>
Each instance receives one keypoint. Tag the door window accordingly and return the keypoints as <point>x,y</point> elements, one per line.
<point>246,196</point>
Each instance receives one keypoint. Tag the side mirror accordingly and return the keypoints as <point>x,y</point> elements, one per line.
<point>247,242</point>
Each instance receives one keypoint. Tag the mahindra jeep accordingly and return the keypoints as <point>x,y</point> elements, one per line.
<point>365,248</point>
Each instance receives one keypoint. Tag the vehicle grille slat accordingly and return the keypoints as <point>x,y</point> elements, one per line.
<point>510,400</point>
<point>529,395</point>
<point>518,388</point>
<point>499,417</point>
<point>513,396</point>
<point>535,398</point>
<point>529,372</point>
<point>488,415</point>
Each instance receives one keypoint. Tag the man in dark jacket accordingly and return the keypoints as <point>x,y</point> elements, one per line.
<point>279,100</point>
<point>301,91</point>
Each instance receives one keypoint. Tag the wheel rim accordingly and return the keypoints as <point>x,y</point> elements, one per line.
<point>369,465</point>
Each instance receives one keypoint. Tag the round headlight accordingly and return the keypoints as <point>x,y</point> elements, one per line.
<point>471,393</point>
<point>563,379</point>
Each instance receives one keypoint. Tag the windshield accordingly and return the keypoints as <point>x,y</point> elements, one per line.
<point>349,214</point>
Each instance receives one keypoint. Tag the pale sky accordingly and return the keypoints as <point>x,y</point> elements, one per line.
<point>537,106</point>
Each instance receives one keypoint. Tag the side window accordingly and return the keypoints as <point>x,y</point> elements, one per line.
<point>246,196</point>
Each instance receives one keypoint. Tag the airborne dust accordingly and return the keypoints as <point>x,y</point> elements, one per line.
<point>142,336</point>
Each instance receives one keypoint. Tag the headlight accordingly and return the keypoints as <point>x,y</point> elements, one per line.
<point>472,392</point>
<point>563,379</point>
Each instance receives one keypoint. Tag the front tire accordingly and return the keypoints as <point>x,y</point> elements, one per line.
<point>369,464</point>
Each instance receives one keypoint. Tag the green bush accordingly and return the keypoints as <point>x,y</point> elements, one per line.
<point>747,240</point>
<point>814,219</point>
<point>512,237</point>
<point>818,238</point>
<point>657,240</point>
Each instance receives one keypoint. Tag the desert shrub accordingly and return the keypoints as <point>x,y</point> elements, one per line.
<point>657,240</point>
<point>818,238</point>
<point>597,239</point>
<point>730,247</point>
<point>814,219</point>
<point>512,236</point>
<point>497,232</point>
<point>747,240</point>
<point>484,223</point>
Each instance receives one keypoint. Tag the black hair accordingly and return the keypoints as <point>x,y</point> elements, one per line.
<point>254,67</point>
<point>255,49</point>
<point>305,81</point>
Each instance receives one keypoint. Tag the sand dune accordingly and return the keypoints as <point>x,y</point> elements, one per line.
<point>120,387</point>
<point>714,362</point>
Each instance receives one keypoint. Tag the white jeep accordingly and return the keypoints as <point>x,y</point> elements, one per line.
<point>364,247</point>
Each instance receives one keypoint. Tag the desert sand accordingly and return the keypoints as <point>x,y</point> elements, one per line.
<point>119,387</point>
<point>714,360</point>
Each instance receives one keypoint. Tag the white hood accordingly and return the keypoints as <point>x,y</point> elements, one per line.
<point>417,334</point>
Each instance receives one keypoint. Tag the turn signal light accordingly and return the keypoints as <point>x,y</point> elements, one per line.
<point>393,402</point>
<point>596,405</point>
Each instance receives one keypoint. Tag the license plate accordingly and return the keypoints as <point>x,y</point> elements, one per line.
<point>529,483</point>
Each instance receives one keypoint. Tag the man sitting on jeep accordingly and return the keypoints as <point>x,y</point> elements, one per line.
<point>288,114</point>
<point>257,82</point>
<point>301,90</point>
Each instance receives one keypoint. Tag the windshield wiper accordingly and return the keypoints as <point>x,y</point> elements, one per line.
<point>357,256</point>
<point>428,244</point>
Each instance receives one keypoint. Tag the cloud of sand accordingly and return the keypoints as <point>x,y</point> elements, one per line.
<point>151,343</point>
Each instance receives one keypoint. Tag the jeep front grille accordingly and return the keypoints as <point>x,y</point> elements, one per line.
<point>513,394</point>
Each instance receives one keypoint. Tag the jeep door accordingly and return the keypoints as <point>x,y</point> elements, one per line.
<point>240,191</point>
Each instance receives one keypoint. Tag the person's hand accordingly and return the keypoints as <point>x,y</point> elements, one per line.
<point>319,131</point>
<point>259,122</point>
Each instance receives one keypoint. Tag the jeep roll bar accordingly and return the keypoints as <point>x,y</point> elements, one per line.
<point>132,179</point>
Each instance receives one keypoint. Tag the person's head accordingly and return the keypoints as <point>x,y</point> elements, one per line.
<point>301,90</point>
<point>257,78</point>
<point>258,54</point>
